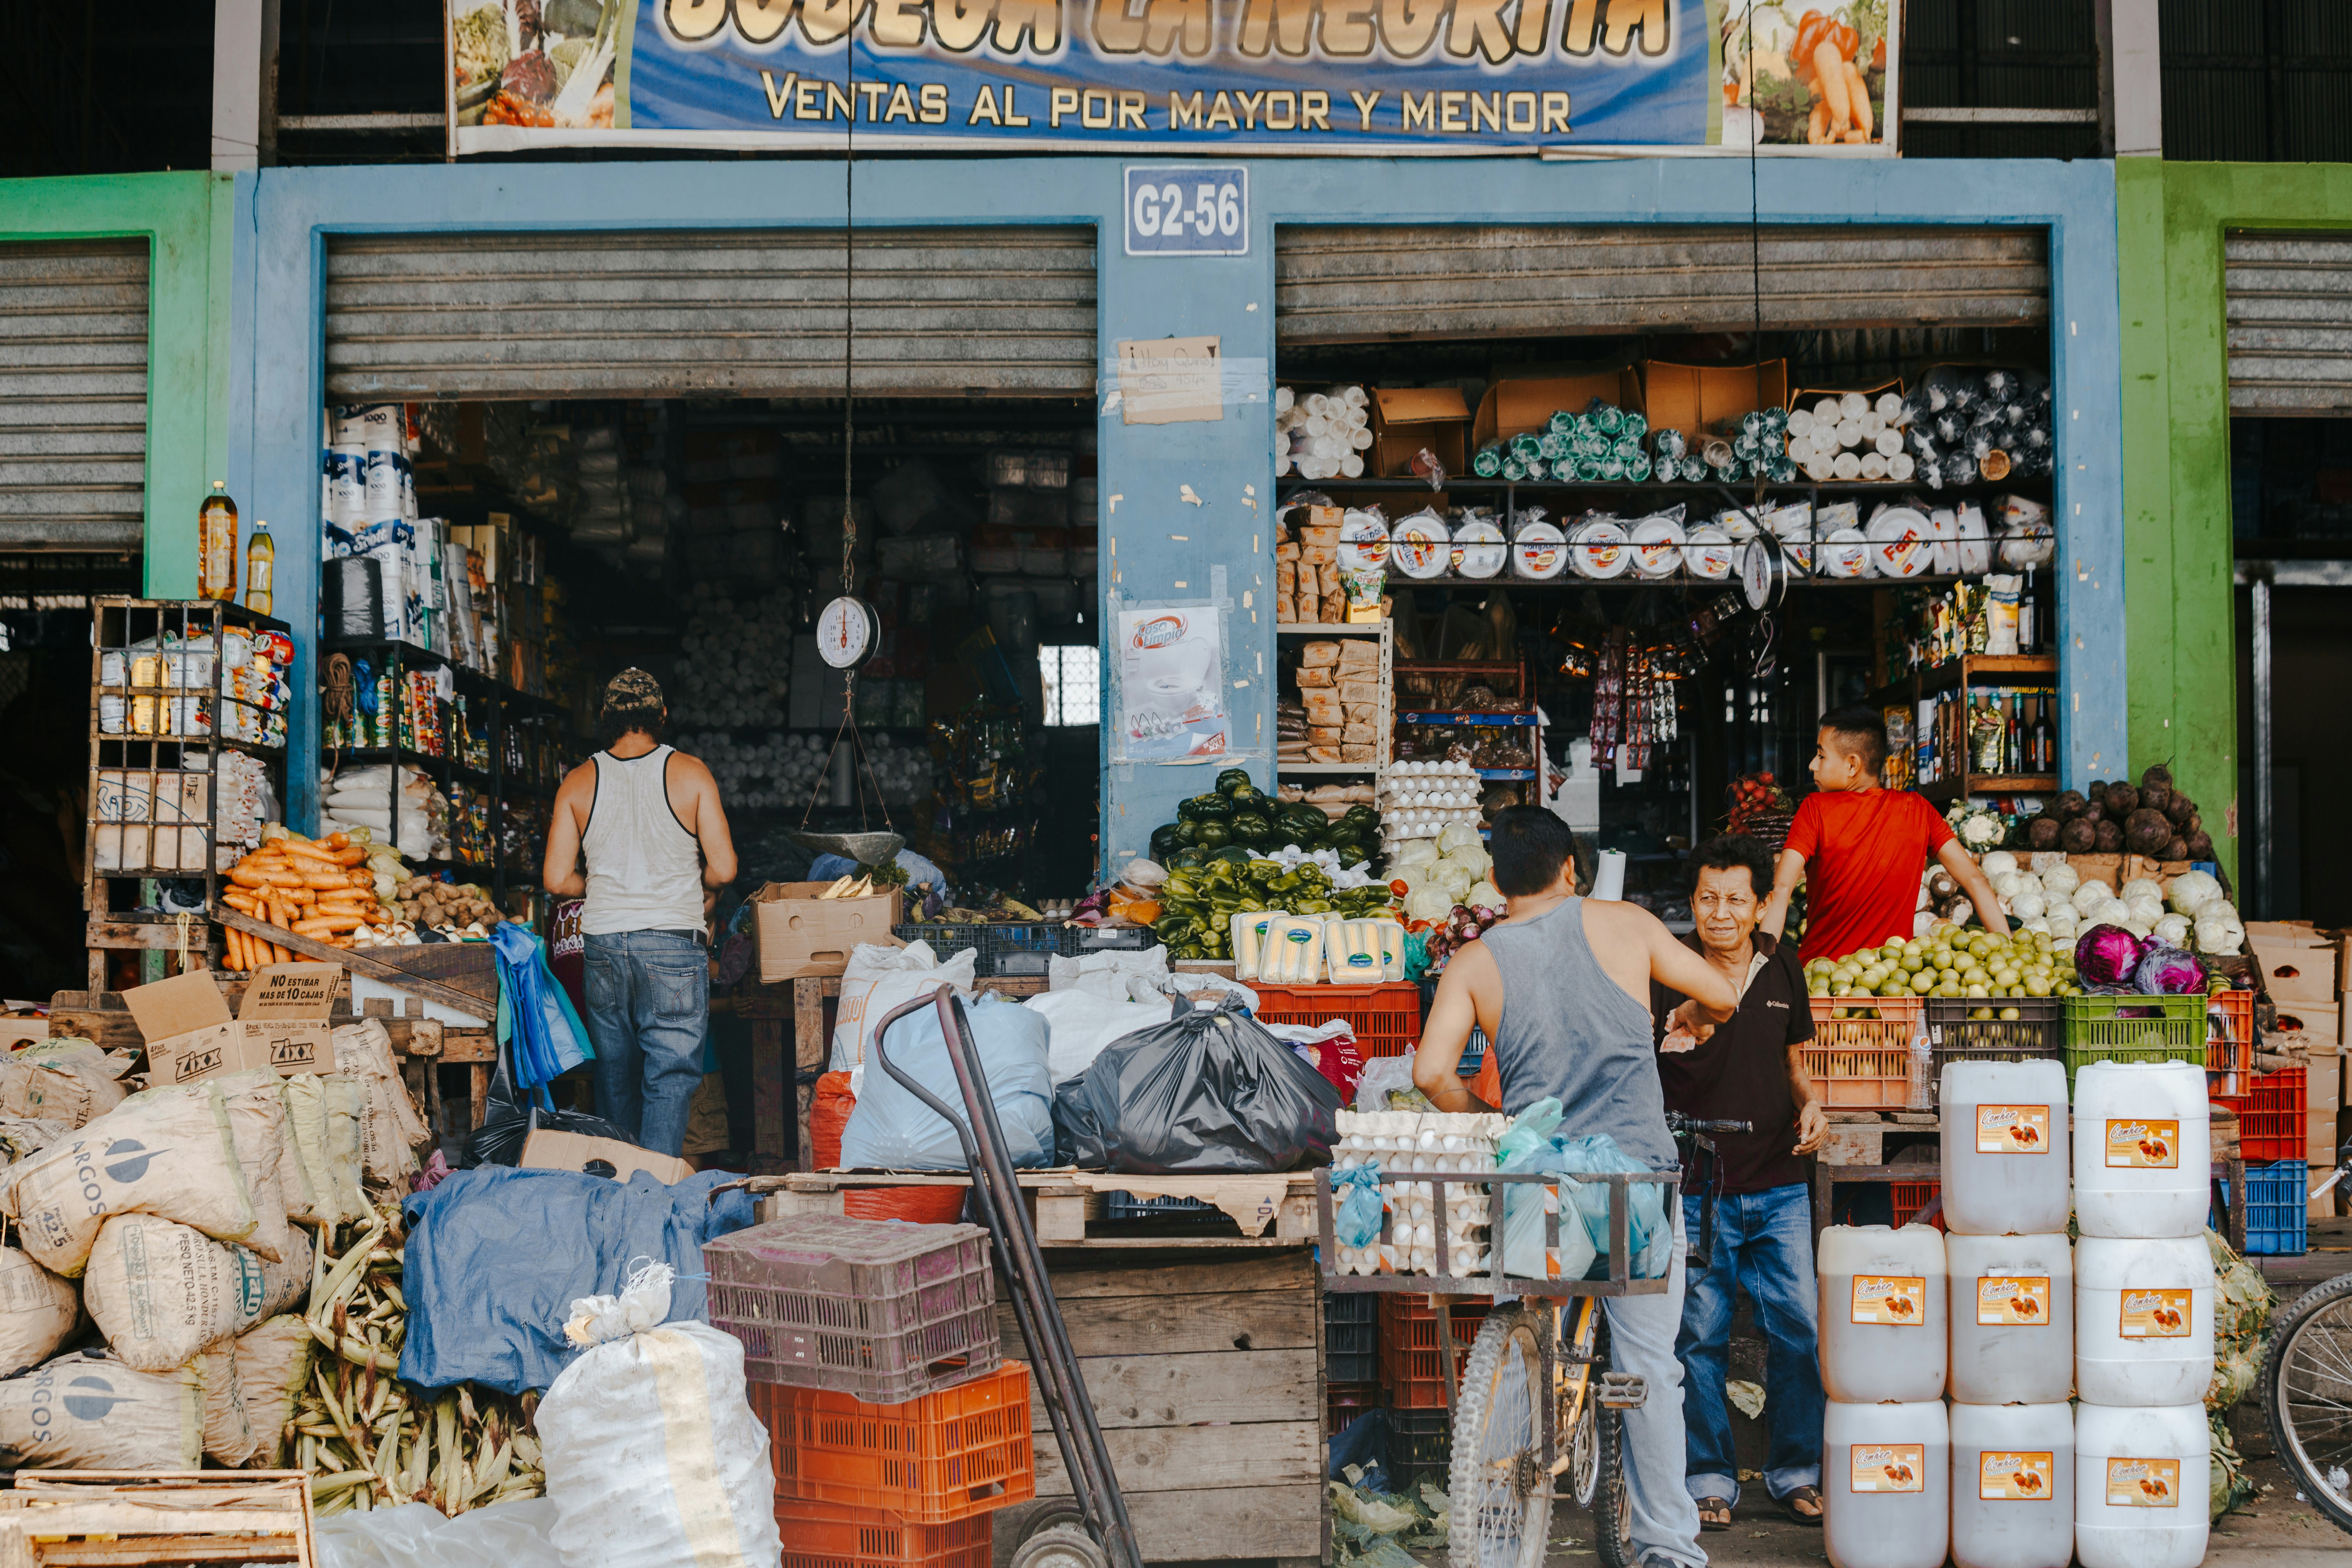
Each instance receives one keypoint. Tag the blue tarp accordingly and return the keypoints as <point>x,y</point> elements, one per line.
<point>497,1255</point>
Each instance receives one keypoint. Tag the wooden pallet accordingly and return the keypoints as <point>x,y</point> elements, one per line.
<point>118,1519</point>
<point>1068,1207</point>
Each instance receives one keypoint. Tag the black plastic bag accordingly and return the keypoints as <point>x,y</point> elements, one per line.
<point>1209,1093</point>
<point>507,1122</point>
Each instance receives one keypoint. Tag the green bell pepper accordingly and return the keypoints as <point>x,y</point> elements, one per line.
<point>1212,835</point>
<point>1211,807</point>
<point>1252,829</point>
<point>1232,779</point>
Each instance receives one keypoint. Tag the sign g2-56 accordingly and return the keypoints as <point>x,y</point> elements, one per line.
<point>1191,209</point>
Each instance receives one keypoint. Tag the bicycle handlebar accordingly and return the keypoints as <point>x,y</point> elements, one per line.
<point>1677,1123</point>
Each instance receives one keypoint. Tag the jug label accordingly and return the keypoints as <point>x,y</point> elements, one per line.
<point>2012,1130</point>
<point>2154,1314</point>
<point>2143,1483</point>
<point>2013,1477</point>
<point>2143,1145</point>
<point>1898,1300</point>
<point>1889,1467</point>
<point>2005,1301</point>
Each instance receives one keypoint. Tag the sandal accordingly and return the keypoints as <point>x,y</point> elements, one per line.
<point>1714,1513</point>
<point>1805,1495</point>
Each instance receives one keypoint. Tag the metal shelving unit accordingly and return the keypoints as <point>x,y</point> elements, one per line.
<point>154,796</point>
<point>1384,727</point>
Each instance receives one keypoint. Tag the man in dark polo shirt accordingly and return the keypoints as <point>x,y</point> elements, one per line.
<point>1749,1069</point>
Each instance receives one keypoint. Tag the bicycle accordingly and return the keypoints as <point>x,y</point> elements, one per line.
<point>1538,1399</point>
<point>2306,1387</point>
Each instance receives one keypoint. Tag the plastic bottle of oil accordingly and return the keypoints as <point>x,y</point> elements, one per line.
<point>2012,1316</point>
<point>1882,1305</point>
<point>2013,1485</point>
<point>1887,1484</point>
<point>2005,1148</point>
<point>260,571</point>
<point>2143,1319</point>
<point>2143,1149</point>
<point>216,545</point>
<point>2140,1486</point>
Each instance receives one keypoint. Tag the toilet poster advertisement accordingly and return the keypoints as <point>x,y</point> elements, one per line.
<point>1171,684</point>
<point>1214,76</point>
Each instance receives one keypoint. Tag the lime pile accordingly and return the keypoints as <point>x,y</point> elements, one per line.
<point>1951,961</point>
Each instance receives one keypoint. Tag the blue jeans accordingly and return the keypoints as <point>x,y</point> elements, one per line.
<point>649,1009</point>
<point>1763,1245</point>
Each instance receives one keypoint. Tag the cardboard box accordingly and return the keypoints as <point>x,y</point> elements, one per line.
<point>1691,398</point>
<point>548,1150</point>
<point>2321,1020</point>
<point>2296,972</point>
<point>800,935</point>
<point>1512,407</point>
<point>284,1023</point>
<point>1407,418</point>
<point>17,1033</point>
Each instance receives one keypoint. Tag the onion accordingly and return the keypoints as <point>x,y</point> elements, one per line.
<point>1998,864</point>
<point>2061,880</point>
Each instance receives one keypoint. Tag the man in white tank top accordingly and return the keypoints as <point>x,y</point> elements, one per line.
<point>648,819</point>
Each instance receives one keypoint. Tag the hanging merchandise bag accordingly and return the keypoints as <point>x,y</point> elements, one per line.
<point>1209,1093</point>
<point>653,1457</point>
<point>533,1012</point>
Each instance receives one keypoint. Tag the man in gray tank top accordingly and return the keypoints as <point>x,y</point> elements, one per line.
<point>1561,987</point>
<point>648,818</point>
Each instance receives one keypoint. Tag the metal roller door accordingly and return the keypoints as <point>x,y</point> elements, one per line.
<point>940,313</point>
<point>73,395</point>
<point>1359,284</point>
<point>2290,323</point>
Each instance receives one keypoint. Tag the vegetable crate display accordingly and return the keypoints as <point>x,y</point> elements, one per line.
<point>1198,904</point>
<point>1863,1063</point>
<point>2133,1029</point>
<point>887,1312</point>
<point>2271,1127</point>
<point>948,1456</point>
<point>2277,1208</point>
<point>821,1535</point>
<point>2019,1029</point>
<point>1385,1019</point>
<point>2230,1047</point>
<point>188,740</point>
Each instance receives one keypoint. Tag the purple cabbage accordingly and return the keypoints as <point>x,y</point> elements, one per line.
<point>2104,958</point>
<point>2165,971</point>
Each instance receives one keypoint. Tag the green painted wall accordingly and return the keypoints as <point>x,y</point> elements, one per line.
<point>186,219</point>
<point>2179,600</point>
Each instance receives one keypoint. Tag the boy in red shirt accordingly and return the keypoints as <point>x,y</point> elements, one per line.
<point>1859,849</point>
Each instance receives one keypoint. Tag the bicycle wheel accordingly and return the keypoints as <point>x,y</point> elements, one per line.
<point>2307,1386</point>
<point>1502,1498</point>
<point>1584,1475</point>
<point>1613,1509</point>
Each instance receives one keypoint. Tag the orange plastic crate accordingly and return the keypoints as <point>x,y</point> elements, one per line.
<point>2230,1049</point>
<point>2271,1127</point>
<point>822,1535</point>
<point>1863,1064</point>
<point>1910,1197</point>
<point>1411,1354</point>
<point>945,1456</point>
<point>1385,1018</point>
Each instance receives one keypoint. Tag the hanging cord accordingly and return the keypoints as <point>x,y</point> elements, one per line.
<point>1765,661</point>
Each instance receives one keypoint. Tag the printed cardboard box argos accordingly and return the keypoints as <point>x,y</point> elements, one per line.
<point>284,1025</point>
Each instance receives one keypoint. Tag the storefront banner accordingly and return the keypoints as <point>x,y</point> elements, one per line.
<point>1313,77</point>
<point>1172,684</point>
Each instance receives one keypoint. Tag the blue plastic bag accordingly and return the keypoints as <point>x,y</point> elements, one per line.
<point>890,1129</point>
<point>1356,1214</point>
<point>1530,1145</point>
<point>534,1014</point>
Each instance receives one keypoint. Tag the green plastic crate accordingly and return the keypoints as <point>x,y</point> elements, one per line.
<point>2172,1030</point>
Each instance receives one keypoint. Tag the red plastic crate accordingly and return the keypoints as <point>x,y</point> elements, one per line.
<point>2230,1049</point>
<point>822,1535</point>
<point>1410,1353</point>
<point>1910,1197</point>
<point>1385,1018</point>
<point>2271,1127</point>
<point>1344,1402</point>
<point>945,1456</point>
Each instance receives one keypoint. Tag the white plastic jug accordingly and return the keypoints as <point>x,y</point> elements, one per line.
<point>2141,1487</point>
<point>2012,1308</point>
<point>2013,1485</point>
<point>2143,1149</point>
<point>1882,1305</point>
<point>2005,1156</point>
<point>2143,1321</point>
<point>1885,1484</point>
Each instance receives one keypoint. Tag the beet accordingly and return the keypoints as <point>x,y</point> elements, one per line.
<point>2078,836</point>
<point>2156,774</point>
<point>2197,846</point>
<point>2178,808</point>
<point>2144,839</point>
<point>2146,823</point>
<point>2110,836</point>
<point>2042,833</point>
<point>2155,797</point>
<point>2190,826</point>
<point>2069,805</point>
<point>2121,800</point>
<point>2177,851</point>
<point>2095,792</point>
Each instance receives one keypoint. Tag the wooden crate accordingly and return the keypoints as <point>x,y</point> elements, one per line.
<point>124,1519</point>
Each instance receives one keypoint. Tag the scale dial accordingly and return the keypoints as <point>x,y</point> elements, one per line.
<point>1764,572</point>
<point>847,632</point>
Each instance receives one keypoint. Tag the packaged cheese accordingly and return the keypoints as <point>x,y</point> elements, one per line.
<point>1248,933</point>
<point>1292,950</point>
<point>1362,952</point>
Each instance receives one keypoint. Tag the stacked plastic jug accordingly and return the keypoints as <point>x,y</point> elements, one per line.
<point>2144,1312</point>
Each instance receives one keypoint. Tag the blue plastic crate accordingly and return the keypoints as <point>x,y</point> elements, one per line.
<point>2277,1202</point>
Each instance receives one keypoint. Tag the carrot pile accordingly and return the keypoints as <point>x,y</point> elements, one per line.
<point>319,889</point>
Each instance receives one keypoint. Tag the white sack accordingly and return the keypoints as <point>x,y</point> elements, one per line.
<point>417,1535</point>
<point>390,1127</point>
<point>229,1436</point>
<point>87,1411</point>
<point>38,1311</point>
<point>163,1294</point>
<point>1082,1023</point>
<point>172,1156</point>
<point>68,1080</point>
<point>323,1124</point>
<point>878,979</point>
<point>273,1362</point>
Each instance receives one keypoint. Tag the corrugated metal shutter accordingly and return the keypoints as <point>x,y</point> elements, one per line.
<point>2290,323</point>
<point>1372,285</point>
<point>981,310</point>
<point>73,395</point>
